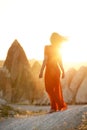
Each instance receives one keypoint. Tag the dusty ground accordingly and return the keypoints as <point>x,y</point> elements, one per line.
<point>69,119</point>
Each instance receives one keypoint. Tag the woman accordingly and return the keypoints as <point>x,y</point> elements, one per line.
<point>54,68</point>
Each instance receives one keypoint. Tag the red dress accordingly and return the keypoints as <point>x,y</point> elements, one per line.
<point>52,80</point>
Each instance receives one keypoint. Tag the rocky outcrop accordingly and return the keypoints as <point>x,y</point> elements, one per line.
<point>39,90</point>
<point>5,84</point>
<point>2,102</point>
<point>22,81</point>
<point>68,95</point>
<point>67,92</point>
<point>76,87</point>
<point>77,80</point>
<point>43,100</point>
<point>81,96</point>
<point>68,77</point>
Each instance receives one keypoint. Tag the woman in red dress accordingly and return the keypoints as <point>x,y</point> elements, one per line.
<point>53,70</point>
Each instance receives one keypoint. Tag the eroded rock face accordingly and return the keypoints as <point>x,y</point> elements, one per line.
<point>5,84</point>
<point>81,96</point>
<point>68,95</point>
<point>78,78</point>
<point>39,90</point>
<point>20,72</point>
<point>74,90</point>
<point>66,81</point>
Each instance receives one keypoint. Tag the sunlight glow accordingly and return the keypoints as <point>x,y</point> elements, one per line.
<point>73,51</point>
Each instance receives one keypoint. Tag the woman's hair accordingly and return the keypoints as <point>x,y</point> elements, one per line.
<point>57,39</point>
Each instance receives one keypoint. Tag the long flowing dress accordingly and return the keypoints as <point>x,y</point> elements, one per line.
<point>52,80</point>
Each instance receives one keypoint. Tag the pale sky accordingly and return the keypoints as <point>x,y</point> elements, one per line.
<point>31,22</point>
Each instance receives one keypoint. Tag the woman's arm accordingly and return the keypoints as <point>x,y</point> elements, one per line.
<point>43,64</point>
<point>61,66</point>
<point>42,68</point>
<point>63,73</point>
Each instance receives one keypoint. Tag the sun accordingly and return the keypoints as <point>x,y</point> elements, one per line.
<point>73,52</point>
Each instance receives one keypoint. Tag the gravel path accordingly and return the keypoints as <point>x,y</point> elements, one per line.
<point>65,120</point>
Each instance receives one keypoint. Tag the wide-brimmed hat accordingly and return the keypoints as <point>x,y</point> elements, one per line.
<point>57,38</point>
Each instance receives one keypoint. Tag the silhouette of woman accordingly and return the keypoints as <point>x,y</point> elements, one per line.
<point>53,67</point>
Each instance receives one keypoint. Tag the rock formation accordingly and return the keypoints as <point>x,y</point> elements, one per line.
<point>77,80</point>
<point>81,96</point>
<point>39,91</point>
<point>22,81</point>
<point>5,84</point>
<point>67,92</point>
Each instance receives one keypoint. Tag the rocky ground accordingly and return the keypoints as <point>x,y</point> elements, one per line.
<point>37,118</point>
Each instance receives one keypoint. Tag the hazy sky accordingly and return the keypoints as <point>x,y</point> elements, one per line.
<point>33,21</point>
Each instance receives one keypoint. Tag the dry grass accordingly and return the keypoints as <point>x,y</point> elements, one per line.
<point>8,111</point>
